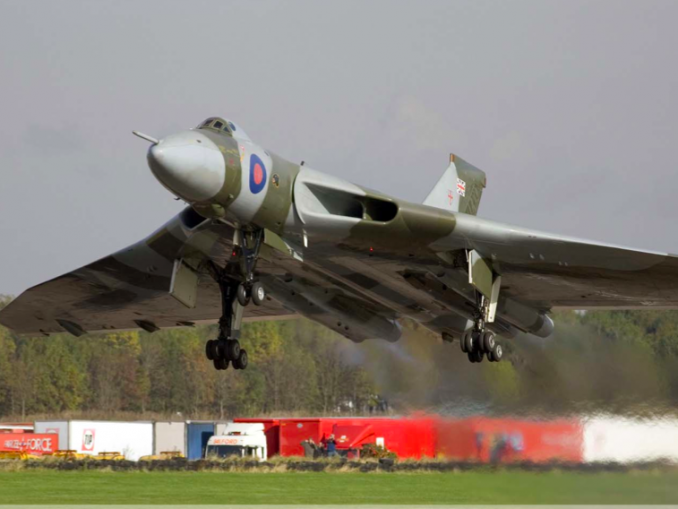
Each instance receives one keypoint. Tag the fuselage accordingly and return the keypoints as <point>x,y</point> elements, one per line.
<point>219,171</point>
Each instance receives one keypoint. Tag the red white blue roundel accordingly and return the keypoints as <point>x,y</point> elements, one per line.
<point>257,174</point>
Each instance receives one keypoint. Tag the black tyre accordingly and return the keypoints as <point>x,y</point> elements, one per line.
<point>241,361</point>
<point>221,349</point>
<point>470,341</point>
<point>488,342</point>
<point>497,352</point>
<point>220,364</point>
<point>211,349</point>
<point>243,295</point>
<point>462,342</point>
<point>471,357</point>
<point>232,349</point>
<point>258,294</point>
<point>479,356</point>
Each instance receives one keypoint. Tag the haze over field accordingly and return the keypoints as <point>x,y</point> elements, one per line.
<point>570,108</point>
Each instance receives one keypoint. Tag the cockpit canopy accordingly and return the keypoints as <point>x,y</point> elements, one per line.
<point>223,126</point>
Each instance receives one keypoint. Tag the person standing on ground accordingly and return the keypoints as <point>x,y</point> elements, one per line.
<point>331,446</point>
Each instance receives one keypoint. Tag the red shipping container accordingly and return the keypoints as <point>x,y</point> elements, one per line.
<point>32,443</point>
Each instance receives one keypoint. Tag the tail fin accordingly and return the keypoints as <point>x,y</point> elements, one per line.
<point>459,189</point>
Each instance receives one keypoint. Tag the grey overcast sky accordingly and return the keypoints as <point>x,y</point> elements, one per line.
<point>569,106</point>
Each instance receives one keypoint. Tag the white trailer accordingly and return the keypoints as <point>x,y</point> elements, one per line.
<point>131,439</point>
<point>240,440</point>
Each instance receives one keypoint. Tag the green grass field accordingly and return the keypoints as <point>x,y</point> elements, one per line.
<point>97,487</point>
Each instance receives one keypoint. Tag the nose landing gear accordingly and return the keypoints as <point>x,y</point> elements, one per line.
<point>249,288</point>
<point>254,292</point>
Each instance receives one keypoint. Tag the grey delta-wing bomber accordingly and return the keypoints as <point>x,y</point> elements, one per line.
<point>264,238</point>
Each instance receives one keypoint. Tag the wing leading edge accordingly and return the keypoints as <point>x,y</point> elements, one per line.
<point>130,289</point>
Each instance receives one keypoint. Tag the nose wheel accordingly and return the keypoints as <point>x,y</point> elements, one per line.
<point>258,294</point>
<point>249,290</point>
<point>255,293</point>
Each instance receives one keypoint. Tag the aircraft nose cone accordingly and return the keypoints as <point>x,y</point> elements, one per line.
<point>189,164</point>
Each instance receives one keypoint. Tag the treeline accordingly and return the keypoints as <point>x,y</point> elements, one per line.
<point>616,361</point>
<point>295,366</point>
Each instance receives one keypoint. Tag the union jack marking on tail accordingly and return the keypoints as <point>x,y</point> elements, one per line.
<point>461,187</point>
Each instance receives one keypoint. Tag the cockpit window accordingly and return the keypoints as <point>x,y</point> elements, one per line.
<point>218,124</point>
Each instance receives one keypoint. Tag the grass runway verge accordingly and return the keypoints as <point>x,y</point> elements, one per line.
<point>492,487</point>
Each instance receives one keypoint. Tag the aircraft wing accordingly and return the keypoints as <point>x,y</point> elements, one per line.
<point>130,289</point>
<point>548,270</point>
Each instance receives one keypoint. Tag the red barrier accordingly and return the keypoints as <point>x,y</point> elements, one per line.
<point>32,443</point>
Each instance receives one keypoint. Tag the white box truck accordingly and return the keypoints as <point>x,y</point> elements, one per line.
<point>131,439</point>
<point>240,440</point>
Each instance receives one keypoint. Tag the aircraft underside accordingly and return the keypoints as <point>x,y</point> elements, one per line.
<point>357,299</point>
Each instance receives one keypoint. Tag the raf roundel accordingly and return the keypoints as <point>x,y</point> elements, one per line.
<point>257,174</point>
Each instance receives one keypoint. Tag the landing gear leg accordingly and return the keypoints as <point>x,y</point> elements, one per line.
<point>226,348</point>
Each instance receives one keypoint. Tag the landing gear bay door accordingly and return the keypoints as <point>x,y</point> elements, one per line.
<point>184,285</point>
<point>486,281</point>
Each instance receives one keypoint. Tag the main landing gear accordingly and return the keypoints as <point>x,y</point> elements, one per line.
<point>237,288</point>
<point>478,342</point>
